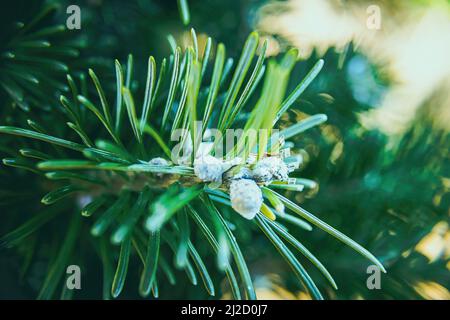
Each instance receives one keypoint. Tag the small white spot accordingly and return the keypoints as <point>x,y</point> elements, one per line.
<point>159,162</point>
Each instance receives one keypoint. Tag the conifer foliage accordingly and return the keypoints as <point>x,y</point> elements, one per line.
<point>97,151</point>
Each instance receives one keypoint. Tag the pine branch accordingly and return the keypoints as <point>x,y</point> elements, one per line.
<point>132,191</point>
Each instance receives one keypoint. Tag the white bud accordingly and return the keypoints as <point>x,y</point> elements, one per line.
<point>246,197</point>
<point>208,168</point>
<point>159,162</point>
<point>269,169</point>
